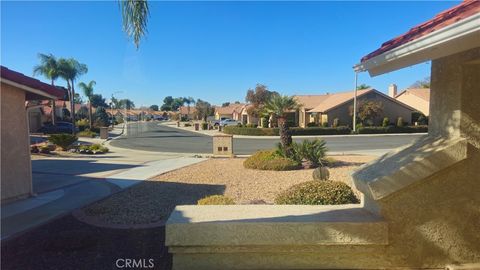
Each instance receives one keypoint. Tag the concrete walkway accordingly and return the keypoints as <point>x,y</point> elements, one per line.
<point>64,184</point>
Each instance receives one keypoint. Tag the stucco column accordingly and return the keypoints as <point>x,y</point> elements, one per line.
<point>454,107</point>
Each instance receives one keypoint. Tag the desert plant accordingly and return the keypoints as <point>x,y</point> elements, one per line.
<point>270,160</point>
<point>278,106</point>
<point>385,122</point>
<point>63,140</point>
<point>216,200</point>
<point>317,193</point>
<point>313,151</point>
<point>93,149</point>
<point>321,173</point>
<point>400,122</point>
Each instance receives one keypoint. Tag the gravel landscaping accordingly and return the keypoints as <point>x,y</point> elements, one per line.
<point>154,199</point>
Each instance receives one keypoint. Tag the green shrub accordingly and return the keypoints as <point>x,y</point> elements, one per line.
<point>295,131</point>
<point>317,193</point>
<point>204,126</point>
<point>422,120</point>
<point>44,149</point>
<point>392,129</point>
<point>324,124</point>
<point>63,140</point>
<point>336,122</point>
<point>251,125</point>
<point>385,122</point>
<point>269,160</point>
<point>216,200</point>
<point>313,151</point>
<point>87,133</point>
<point>187,124</point>
<point>93,149</point>
<point>82,124</point>
<point>399,122</point>
<point>312,124</point>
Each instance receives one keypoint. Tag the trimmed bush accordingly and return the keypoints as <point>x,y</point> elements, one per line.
<point>216,200</point>
<point>82,124</point>
<point>295,131</point>
<point>63,140</point>
<point>312,124</point>
<point>392,129</point>
<point>187,124</point>
<point>269,160</point>
<point>204,126</point>
<point>251,125</point>
<point>87,133</point>
<point>336,122</point>
<point>317,193</point>
<point>385,122</point>
<point>93,149</point>
<point>399,122</point>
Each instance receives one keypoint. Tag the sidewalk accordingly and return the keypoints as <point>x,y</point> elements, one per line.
<point>65,184</point>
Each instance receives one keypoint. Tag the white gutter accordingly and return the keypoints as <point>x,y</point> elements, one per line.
<point>28,89</point>
<point>460,29</point>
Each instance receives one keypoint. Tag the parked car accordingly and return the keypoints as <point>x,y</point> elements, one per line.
<point>216,123</point>
<point>59,127</point>
<point>229,122</point>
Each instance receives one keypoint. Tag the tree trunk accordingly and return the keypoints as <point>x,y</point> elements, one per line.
<point>72,105</point>
<point>285,136</point>
<point>90,114</point>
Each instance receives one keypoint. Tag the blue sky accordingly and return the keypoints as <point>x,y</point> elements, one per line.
<point>214,50</point>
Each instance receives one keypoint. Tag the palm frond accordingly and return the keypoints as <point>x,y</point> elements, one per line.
<point>135,15</point>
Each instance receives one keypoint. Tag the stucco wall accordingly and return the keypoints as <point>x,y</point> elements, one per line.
<point>391,109</point>
<point>414,101</point>
<point>15,154</point>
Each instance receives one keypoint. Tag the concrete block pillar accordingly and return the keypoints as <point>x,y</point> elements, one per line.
<point>223,145</point>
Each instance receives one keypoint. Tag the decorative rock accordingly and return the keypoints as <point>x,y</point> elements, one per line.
<point>321,173</point>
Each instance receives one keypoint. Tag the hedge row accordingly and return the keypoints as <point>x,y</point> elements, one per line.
<point>392,129</point>
<point>295,131</point>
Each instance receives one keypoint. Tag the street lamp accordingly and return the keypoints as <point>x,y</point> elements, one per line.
<point>357,68</point>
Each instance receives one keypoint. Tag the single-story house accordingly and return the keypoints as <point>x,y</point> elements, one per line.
<point>15,91</point>
<point>187,112</point>
<point>418,98</point>
<point>246,117</point>
<point>231,111</point>
<point>339,106</point>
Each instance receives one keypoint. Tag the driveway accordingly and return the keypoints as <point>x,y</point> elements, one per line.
<point>152,136</point>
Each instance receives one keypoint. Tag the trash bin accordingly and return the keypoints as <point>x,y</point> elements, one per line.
<point>104,133</point>
<point>178,124</point>
<point>197,126</point>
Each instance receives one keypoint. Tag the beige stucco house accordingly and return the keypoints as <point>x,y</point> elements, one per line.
<point>418,98</point>
<point>324,109</point>
<point>15,91</point>
<point>188,113</point>
<point>420,204</point>
<point>231,111</point>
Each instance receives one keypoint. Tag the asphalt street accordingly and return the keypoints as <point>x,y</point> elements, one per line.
<point>152,136</point>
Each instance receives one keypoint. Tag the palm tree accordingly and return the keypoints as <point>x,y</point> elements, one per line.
<point>48,68</point>
<point>189,101</point>
<point>135,15</point>
<point>278,106</point>
<point>88,92</point>
<point>70,69</point>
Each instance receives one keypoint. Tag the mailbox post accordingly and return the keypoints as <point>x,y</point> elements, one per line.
<point>223,145</point>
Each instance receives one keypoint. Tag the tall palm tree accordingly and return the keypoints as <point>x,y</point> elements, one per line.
<point>48,68</point>
<point>135,15</point>
<point>88,92</point>
<point>279,106</point>
<point>70,70</point>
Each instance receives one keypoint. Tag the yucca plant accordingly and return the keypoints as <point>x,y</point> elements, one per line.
<point>313,151</point>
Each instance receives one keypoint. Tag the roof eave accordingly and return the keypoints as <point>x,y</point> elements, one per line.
<point>29,89</point>
<point>460,36</point>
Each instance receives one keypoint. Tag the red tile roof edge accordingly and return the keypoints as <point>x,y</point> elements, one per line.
<point>22,79</point>
<point>459,12</point>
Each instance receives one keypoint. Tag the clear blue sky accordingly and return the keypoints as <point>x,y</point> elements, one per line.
<point>214,50</point>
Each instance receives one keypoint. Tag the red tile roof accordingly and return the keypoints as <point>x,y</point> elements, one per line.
<point>441,20</point>
<point>19,78</point>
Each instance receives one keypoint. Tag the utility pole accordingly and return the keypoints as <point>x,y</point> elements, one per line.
<point>355,103</point>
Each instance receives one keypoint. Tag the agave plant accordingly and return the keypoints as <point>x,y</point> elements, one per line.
<point>313,151</point>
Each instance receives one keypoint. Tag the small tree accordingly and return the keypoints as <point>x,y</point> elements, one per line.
<point>385,122</point>
<point>258,97</point>
<point>101,117</point>
<point>203,109</point>
<point>425,83</point>
<point>368,111</point>
<point>363,86</point>
<point>154,108</point>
